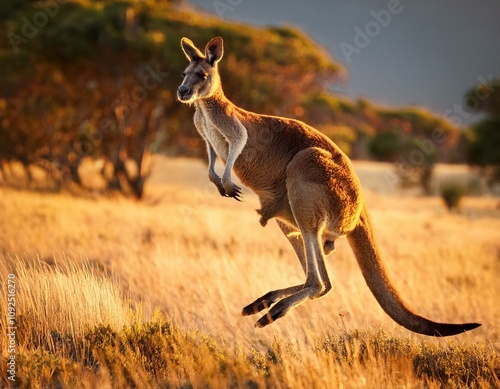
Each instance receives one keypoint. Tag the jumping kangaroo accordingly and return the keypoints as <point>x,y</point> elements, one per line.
<point>303,180</point>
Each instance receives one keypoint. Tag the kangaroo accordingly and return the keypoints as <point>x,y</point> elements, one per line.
<point>303,180</point>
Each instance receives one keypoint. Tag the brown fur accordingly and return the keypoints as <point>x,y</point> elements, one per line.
<point>303,180</point>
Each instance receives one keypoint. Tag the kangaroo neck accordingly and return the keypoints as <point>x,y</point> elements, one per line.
<point>215,103</point>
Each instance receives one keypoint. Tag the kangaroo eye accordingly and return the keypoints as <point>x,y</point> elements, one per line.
<point>183,75</point>
<point>202,76</point>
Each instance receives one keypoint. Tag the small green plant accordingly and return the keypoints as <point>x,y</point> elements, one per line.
<point>452,193</point>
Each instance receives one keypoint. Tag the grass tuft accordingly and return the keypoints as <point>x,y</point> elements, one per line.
<point>471,366</point>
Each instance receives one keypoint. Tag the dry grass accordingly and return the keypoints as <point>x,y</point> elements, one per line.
<point>93,270</point>
<point>63,298</point>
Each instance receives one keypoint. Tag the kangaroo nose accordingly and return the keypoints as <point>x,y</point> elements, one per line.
<point>183,89</point>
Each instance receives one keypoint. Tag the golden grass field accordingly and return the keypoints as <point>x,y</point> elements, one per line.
<point>112,292</point>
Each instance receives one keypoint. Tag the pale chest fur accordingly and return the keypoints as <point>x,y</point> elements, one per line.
<point>212,134</point>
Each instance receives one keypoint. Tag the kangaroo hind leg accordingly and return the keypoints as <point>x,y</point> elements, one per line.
<point>307,201</point>
<point>267,300</point>
<point>313,287</point>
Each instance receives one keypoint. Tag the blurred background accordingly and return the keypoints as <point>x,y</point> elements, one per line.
<point>90,85</point>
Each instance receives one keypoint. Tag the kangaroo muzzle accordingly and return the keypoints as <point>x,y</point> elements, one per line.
<point>183,91</point>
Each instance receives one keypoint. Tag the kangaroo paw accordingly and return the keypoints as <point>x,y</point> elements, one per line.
<point>232,190</point>
<point>218,183</point>
<point>221,189</point>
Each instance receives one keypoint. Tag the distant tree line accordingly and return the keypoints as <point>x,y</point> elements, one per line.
<point>97,80</point>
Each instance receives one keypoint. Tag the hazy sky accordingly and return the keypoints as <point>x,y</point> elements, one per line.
<point>426,52</point>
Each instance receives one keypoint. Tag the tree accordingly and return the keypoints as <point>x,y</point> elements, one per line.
<point>414,157</point>
<point>385,146</point>
<point>415,164</point>
<point>484,148</point>
<point>483,138</point>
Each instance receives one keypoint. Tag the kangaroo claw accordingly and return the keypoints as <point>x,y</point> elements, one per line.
<point>232,190</point>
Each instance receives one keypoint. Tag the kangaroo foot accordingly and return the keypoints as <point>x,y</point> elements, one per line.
<point>284,305</point>
<point>265,301</point>
<point>258,305</point>
<point>272,315</point>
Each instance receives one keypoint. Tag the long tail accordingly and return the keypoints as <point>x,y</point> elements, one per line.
<point>367,254</point>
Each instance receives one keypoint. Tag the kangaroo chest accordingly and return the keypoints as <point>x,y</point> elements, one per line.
<point>213,135</point>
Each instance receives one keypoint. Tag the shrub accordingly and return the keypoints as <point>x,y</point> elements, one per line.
<point>452,193</point>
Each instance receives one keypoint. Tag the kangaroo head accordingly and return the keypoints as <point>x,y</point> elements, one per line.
<point>201,77</point>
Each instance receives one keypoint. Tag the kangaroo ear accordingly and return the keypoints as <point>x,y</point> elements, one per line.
<point>214,50</point>
<point>192,53</point>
